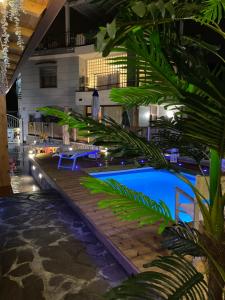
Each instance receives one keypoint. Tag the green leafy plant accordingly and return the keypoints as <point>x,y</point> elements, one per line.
<point>169,277</point>
<point>172,75</point>
<point>130,205</point>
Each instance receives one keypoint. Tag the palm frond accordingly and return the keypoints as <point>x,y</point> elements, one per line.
<point>183,240</point>
<point>213,11</point>
<point>175,278</point>
<point>133,15</point>
<point>156,74</point>
<point>129,205</point>
<point>169,135</point>
<point>132,96</point>
<point>197,93</point>
<point>112,135</point>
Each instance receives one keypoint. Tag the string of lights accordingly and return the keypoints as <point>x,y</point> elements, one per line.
<point>10,12</point>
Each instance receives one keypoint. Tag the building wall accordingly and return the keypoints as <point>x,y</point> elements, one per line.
<point>33,96</point>
<point>69,70</point>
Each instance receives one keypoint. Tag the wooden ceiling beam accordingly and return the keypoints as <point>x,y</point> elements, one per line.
<point>25,32</point>
<point>33,8</point>
<point>13,58</point>
<point>12,65</point>
<point>14,46</point>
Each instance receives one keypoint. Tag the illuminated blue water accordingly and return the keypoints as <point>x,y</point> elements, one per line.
<point>157,184</point>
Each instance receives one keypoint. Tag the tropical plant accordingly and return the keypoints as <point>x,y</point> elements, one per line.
<point>170,74</point>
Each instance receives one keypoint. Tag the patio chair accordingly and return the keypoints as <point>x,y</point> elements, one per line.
<point>73,155</point>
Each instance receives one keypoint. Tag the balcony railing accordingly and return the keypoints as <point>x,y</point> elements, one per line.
<point>103,82</point>
<point>66,40</point>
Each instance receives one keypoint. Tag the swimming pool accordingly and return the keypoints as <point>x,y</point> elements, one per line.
<point>157,184</point>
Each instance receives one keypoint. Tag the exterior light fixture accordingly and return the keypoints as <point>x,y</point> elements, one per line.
<point>170,114</point>
<point>31,156</point>
<point>34,188</point>
<point>70,149</point>
<point>33,168</point>
<point>40,175</point>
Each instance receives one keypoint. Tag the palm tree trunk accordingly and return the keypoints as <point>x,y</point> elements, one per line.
<point>215,284</point>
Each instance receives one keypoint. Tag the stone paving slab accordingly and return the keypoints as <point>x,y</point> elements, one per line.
<point>47,252</point>
<point>132,245</point>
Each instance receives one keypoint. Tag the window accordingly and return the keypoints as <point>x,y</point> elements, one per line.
<point>102,74</point>
<point>48,77</point>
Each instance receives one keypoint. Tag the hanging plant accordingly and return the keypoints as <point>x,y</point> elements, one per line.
<point>10,13</point>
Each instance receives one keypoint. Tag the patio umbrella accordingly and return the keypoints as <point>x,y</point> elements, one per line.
<point>125,119</point>
<point>95,105</point>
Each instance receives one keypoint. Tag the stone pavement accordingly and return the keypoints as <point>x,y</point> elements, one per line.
<point>21,181</point>
<point>47,252</point>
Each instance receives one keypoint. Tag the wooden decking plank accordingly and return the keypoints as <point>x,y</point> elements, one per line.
<point>138,244</point>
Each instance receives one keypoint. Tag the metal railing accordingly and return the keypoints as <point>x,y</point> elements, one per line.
<point>110,82</point>
<point>192,208</point>
<point>66,40</point>
<point>48,131</point>
<point>12,121</point>
<point>54,131</point>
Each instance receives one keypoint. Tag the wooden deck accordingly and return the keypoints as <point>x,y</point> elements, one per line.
<point>131,245</point>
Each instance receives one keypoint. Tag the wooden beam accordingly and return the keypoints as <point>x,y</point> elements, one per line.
<point>14,46</point>
<point>5,186</point>
<point>33,8</point>
<point>13,58</point>
<point>45,22</point>
<point>25,32</point>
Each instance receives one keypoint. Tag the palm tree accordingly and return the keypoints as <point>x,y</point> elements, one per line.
<point>170,74</point>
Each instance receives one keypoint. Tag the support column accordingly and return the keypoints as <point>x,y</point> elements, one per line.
<point>5,185</point>
<point>132,80</point>
<point>65,131</point>
<point>67,24</point>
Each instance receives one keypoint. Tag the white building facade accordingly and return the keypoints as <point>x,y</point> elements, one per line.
<point>66,74</point>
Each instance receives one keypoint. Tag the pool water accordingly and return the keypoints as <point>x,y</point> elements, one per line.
<point>157,184</point>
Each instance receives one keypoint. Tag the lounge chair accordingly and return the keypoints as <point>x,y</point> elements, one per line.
<point>73,155</point>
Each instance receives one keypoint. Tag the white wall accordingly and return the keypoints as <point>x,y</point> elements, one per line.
<point>33,96</point>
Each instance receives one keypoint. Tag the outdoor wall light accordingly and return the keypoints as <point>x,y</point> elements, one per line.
<point>33,168</point>
<point>70,149</point>
<point>170,114</point>
<point>40,175</point>
<point>34,188</point>
<point>31,156</point>
<point>35,142</point>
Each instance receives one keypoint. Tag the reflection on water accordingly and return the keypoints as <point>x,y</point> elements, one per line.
<point>21,181</point>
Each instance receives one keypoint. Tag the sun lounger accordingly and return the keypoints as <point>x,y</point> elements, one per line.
<point>73,155</point>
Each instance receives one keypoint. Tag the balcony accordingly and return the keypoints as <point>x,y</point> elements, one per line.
<point>103,81</point>
<point>62,43</point>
